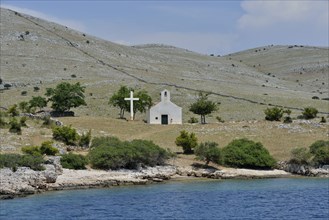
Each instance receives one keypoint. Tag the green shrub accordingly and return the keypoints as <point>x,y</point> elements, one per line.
<point>300,156</point>
<point>15,160</point>
<point>22,121</point>
<point>244,153</point>
<point>273,114</point>
<point>320,151</point>
<point>85,139</point>
<point>24,93</point>
<point>111,153</point>
<point>193,120</point>
<point>15,126</point>
<point>187,141</point>
<point>32,150</point>
<point>47,148</point>
<point>74,161</point>
<point>12,111</point>
<point>309,113</point>
<point>66,134</point>
<point>208,152</point>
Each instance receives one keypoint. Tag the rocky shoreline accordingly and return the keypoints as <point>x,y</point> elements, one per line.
<point>26,181</point>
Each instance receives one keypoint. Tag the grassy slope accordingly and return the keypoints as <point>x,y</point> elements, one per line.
<point>51,53</point>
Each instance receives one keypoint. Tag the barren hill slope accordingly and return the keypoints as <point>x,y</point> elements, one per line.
<point>39,53</point>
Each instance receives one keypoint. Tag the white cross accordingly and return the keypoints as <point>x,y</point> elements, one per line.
<point>131,99</point>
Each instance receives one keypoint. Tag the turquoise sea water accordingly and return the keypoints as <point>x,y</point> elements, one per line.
<point>291,198</point>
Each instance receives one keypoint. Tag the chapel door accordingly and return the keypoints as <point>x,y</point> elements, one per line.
<point>164,119</point>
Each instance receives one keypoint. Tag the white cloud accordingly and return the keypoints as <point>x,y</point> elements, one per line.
<point>66,22</point>
<point>259,14</point>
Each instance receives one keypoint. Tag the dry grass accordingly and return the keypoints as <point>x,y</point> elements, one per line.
<point>278,138</point>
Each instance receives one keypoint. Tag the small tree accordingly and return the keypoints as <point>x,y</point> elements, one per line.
<point>273,114</point>
<point>118,100</point>
<point>144,102</point>
<point>38,101</point>
<point>203,107</point>
<point>66,134</point>
<point>208,152</point>
<point>310,112</point>
<point>187,141</point>
<point>66,96</point>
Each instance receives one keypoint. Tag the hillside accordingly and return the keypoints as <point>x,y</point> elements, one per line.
<point>39,53</point>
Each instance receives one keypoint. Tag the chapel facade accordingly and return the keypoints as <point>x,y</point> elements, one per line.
<point>165,112</point>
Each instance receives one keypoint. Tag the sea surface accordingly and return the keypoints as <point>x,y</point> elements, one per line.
<point>288,198</point>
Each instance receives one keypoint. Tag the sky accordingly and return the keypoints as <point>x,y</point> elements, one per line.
<point>208,27</point>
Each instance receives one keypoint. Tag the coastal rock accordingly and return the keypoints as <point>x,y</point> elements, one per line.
<point>304,170</point>
<point>26,181</point>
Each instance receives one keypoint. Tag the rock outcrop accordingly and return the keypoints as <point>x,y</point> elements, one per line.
<point>230,173</point>
<point>305,170</point>
<point>26,181</point>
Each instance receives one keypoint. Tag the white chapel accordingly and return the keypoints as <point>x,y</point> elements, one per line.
<point>165,112</point>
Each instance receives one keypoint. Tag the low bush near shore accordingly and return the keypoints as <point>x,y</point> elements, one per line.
<point>111,153</point>
<point>244,153</point>
<point>14,161</point>
<point>74,161</point>
<point>317,154</point>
